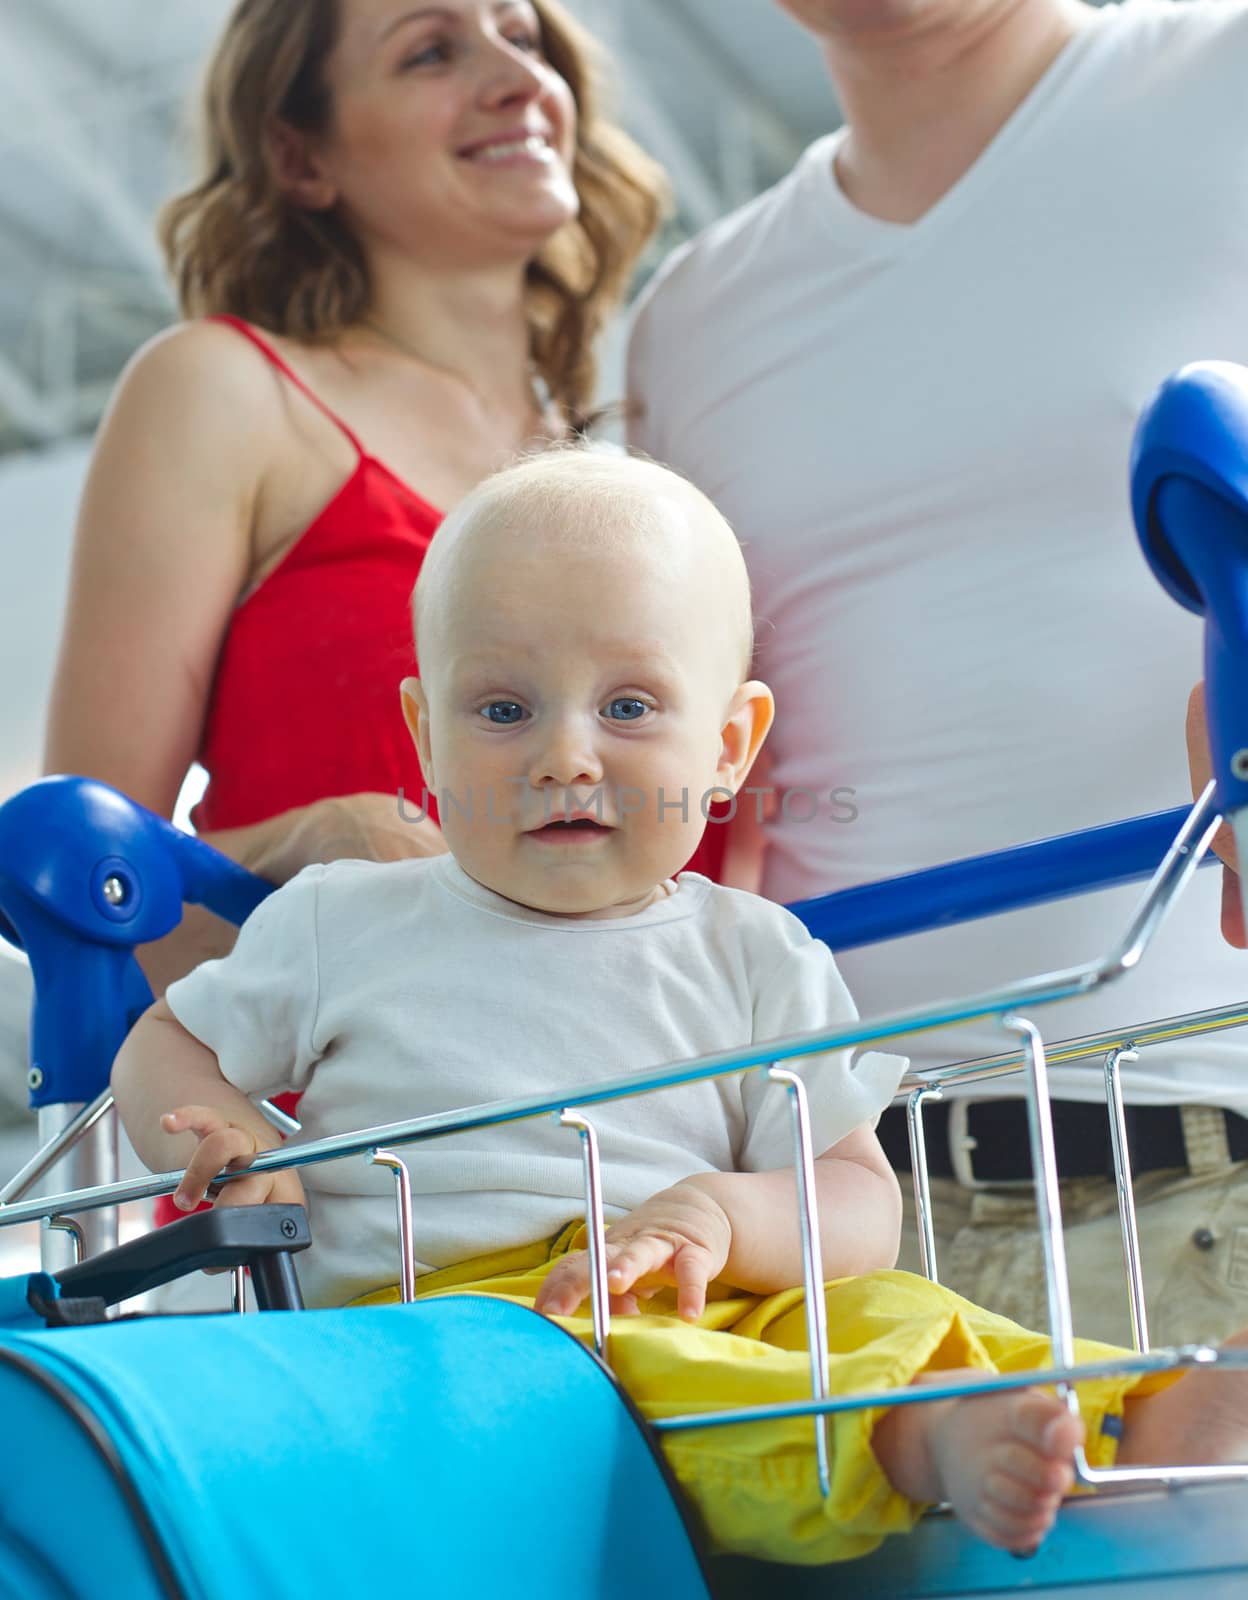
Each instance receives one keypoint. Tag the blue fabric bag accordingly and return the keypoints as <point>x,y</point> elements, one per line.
<point>460,1446</point>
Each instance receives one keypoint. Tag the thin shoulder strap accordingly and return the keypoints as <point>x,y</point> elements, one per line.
<point>272,357</point>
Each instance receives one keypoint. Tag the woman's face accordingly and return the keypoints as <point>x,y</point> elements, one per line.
<point>452,137</point>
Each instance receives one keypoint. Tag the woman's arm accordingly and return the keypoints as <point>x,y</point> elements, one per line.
<point>162,550</point>
<point>360,827</point>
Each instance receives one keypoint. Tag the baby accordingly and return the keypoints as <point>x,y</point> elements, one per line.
<point>584,634</point>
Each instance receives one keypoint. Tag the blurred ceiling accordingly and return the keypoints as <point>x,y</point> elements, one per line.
<point>94,113</point>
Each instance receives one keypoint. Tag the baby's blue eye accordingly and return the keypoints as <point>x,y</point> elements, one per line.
<point>503,713</point>
<point>625,708</point>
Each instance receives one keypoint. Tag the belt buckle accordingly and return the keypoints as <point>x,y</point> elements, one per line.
<point>961,1144</point>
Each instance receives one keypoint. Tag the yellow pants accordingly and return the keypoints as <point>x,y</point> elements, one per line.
<point>755,1486</point>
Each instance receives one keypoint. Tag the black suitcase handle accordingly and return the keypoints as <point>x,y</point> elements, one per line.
<point>263,1238</point>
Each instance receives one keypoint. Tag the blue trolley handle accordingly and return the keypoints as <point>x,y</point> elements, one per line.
<point>85,876</point>
<point>1189,495</point>
<point>1106,857</point>
<point>211,879</point>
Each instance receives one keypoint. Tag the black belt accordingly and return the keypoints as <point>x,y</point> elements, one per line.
<point>1001,1152</point>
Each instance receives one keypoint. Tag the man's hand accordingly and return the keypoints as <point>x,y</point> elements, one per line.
<point>1201,765</point>
<point>681,1236</point>
<point>226,1145</point>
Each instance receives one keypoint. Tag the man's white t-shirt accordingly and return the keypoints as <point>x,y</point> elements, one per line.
<point>921,435</point>
<point>388,992</point>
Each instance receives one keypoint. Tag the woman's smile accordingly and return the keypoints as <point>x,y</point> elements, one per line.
<point>513,147</point>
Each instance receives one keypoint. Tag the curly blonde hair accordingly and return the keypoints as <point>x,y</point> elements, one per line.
<point>236,243</point>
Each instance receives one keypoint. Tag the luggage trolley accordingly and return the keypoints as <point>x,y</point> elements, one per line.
<point>469,1445</point>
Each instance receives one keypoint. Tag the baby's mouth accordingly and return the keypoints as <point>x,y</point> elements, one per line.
<point>570,830</point>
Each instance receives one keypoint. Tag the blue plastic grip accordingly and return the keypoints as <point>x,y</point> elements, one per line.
<point>85,876</point>
<point>1006,880</point>
<point>1189,496</point>
<point>209,878</point>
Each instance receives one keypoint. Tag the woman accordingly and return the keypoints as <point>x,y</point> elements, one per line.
<point>412,223</point>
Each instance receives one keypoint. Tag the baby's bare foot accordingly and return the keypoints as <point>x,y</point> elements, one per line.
<point>1003,1461</point>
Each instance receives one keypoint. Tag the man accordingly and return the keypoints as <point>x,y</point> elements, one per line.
<point>908,375</point>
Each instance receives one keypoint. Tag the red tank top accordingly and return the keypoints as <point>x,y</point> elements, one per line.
<point>305,702</point>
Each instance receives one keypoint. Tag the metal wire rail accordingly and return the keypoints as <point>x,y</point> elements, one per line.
<point>378,1144</point>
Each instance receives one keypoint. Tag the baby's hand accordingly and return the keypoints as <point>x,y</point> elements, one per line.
<point>681,1236</point>
<point>225,1144</point>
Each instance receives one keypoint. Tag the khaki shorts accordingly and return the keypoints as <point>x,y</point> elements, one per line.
<point>1193,1227</point>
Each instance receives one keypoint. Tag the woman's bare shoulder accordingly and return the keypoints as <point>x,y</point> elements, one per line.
<point>201,398</point>
<point>201,363</point>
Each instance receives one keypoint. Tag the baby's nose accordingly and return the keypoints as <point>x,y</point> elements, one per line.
<point>567,756</point>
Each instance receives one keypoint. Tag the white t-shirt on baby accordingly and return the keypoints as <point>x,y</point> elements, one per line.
<point>387,992</point>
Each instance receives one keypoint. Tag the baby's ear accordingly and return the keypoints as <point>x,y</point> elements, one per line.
<point>750,714</point>
<point>416,715</point>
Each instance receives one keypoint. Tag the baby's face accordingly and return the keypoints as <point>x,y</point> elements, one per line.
<point>574,702</point>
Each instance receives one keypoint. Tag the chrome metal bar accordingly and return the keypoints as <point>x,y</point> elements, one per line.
<point>1060,986</point>
<point>1180,1359</point>
<point>1126,1194</point>
<point>238,1289</point>
<point>91,1160</point>
<point>403,1202</point>
<point>360,1143</point>
<point>73,1228</point>
<point>1180,862</point>
<point>1167,883</point>
<point>1161,1475</point>
<point>1138,1036</point>
<point>812,1260</point>
<point>286,1125</point>
<point>1048,1201</point>
<point>978,1069</point>
<point>1048,1197</point>
<point>596,1228</point>
<point>1152,1477</point>
<point>47,1156</point>
<point>922,1181</point>
<point>1155,1477</point>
